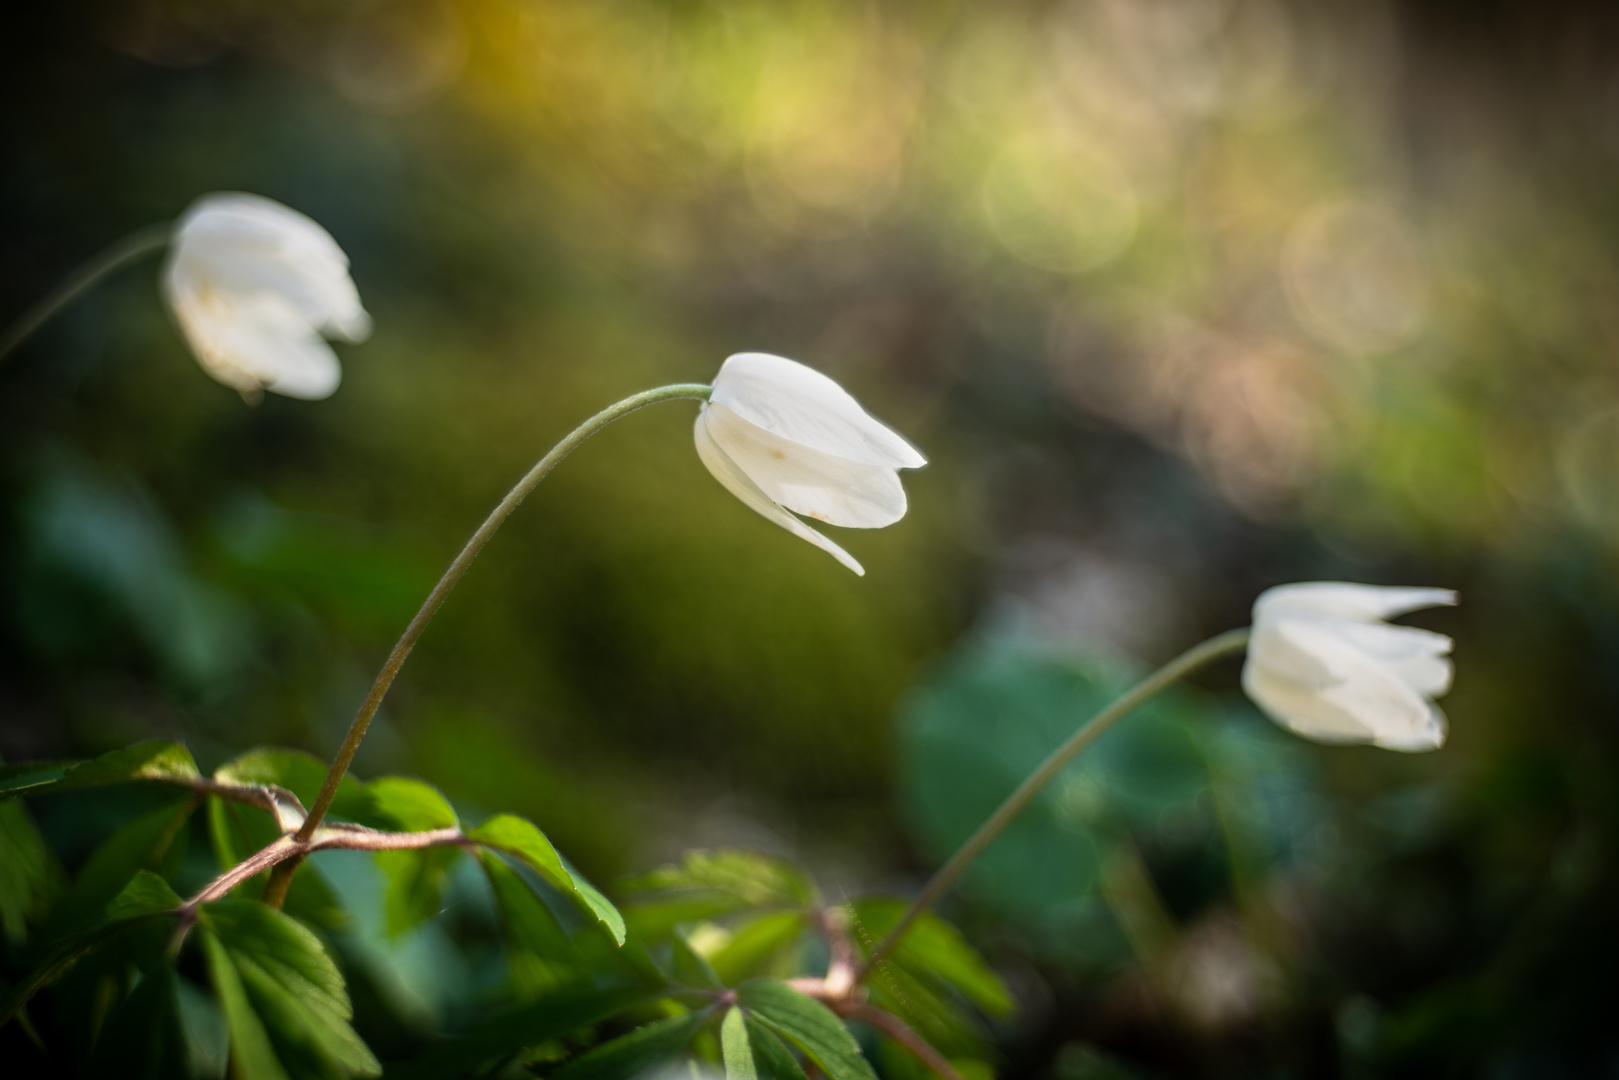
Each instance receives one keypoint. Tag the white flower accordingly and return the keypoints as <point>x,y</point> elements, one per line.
<point>1323,664</point>
<point>254,285</point>
<point>781,436</point>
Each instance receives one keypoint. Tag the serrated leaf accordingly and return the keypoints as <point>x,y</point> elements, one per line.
<point>653,920</point>
<point>161,761</point>
<point>753,946</point>
<point>516,836</point>
<point>282,994</point>
<point>932,948</point>
<point>756,879</point>
<point>736,1048</point>
<point>251,1054</point>
<point>809,1024</point>
<point>146,897</point>
<point>638,1052</point>
<point>770,1054</point>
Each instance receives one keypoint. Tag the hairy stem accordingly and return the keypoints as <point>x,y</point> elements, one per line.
<point>1223,645</point>
<point>132,248</point>
<point>276,891</point>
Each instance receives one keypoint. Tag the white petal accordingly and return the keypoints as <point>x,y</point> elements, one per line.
<point>1347,601</point>
<point>1361,685</point>
<point>255,342</point>
<point>248,244</point>
<point>1300,708</point>
<point>803,406</point>
<point>1430,737</point>
<point>1419,657</point>
<point>737,483</point>
<point>820,486</point>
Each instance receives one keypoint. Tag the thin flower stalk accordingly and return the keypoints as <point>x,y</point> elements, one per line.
<point>1233,641</point>
<point>131,249</point>
<point>276,891</point>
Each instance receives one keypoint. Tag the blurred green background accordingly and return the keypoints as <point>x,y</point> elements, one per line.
<point>1183,299</point>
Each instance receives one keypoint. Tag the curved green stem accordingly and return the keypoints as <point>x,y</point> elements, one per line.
<point>132,248</point>
<point>1187,662</point>
<point>275,892</point>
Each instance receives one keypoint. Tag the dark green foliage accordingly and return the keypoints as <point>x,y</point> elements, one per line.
<point>639,1052</point>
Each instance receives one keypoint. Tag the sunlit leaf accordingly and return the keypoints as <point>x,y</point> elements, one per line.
<point>283,997</point>
<point>689,968</point>
<point>412,805</point>
<point>636,1053</point>
<point>160,761</point>
<point>809,1024</point>
<point>932,948</point>
<point>756,944</point>
<point>302,774</point>
<point>514,835</point>
<point>736,1047</point>
<point>756,879</point>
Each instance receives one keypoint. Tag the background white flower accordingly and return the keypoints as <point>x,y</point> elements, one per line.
<point>1323,664</point>
<point>254,285</point>
<point>781,436</point>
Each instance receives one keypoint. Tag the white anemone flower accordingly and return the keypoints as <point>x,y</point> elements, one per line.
<point>1324,665</point>
<point>783,437</point>
<point>254,286</point>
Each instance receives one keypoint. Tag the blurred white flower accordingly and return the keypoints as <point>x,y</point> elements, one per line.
<point>781,436</point>
<point>1323,664</point>
<point>254,285</point>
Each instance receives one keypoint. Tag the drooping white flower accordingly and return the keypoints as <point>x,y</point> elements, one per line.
<point>783,437</point>
<point>1322,663</point>
<point>254,286</point>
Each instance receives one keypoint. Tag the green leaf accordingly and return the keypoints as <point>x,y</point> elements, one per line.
<point>636,1053</point>
<point>250,1051</point>
<point>144,898</point>
<point>656,919</point>
<point>146,894</point>
<point>539,953</point>
<point>771,1055</point>
<point>282,994</point>
<point>302,774</point>
<point>20,777</point>
<point>755,945</point>
<point>689,968</point>
<point>512,834</point>
<point>497,1038</point>
<point>140,845</point>
<point>755,879</point>
<point>30,877</point>
<point>415,890</point>
<point>932,948</point>
<point>162,761</point>
<point>736,1047</point>
<point>413,805</point>
<point>809,1024</point>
